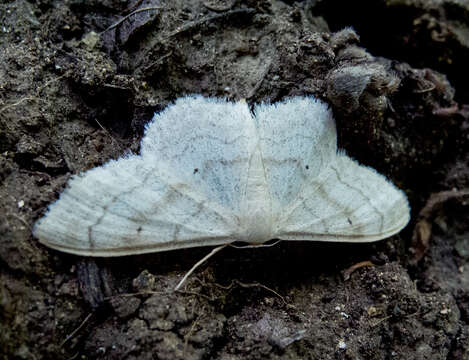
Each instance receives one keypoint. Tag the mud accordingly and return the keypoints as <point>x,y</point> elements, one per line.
<point>78,82</point>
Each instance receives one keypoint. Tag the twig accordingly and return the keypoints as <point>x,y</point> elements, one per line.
<point>381,320</point>
<point>22,220</point>
<point>138,293</point>
<point>187,336</point>
<point>261,80</point>
<point>38,91</point>
<point>18,103</point>
<point>105,130</point>
<point>74,332</point>
<point>184,292</point>
<point>213,252</point>
<point>159,60</point>
<point>251,285</point>
<point>116,24</point>
<point>116,86</point>
<point>390,316</point>
<point>189,26</point>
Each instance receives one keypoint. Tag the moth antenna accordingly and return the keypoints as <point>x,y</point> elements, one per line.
<point>200,262</point>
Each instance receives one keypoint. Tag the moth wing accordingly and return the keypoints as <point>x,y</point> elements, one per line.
<point>208,142</point>
<point>297,140</point>
<point>184,190</point>
<point>347,202</point>
<point>130,207</point>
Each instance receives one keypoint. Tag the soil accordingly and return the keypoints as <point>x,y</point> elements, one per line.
<point>78,82</point>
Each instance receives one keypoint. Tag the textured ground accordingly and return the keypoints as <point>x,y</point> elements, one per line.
<point>78,81</point>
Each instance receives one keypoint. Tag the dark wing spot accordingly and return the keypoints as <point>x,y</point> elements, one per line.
<point>196,171</point>
<point>307,167</point>
<point>139,229</point>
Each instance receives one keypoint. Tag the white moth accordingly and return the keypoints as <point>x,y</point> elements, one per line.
<point>212,172</point>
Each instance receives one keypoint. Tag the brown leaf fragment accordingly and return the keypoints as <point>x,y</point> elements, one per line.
<point>423,229</point>
<point>349,271</point>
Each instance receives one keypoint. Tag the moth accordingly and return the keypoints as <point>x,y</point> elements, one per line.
<point>211,172</point>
